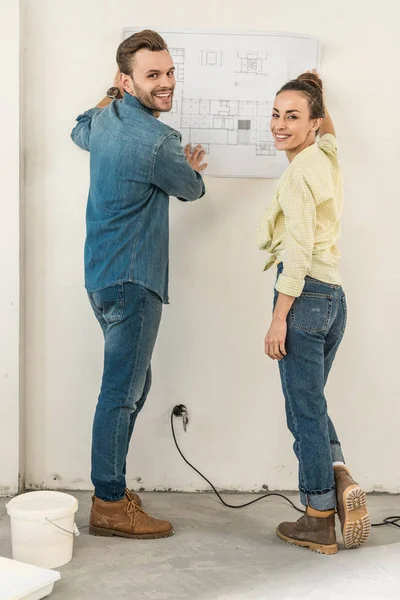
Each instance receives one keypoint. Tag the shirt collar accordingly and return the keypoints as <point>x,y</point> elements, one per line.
<point>133,101</point>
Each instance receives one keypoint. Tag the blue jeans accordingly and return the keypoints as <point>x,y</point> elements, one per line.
<point>316,324</point>
<point>129,315</point>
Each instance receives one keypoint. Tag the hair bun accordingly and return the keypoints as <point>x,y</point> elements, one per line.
<point>312,79</point>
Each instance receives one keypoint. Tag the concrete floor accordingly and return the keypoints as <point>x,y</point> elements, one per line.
<point>223,554</point>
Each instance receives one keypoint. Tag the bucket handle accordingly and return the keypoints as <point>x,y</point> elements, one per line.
<point>75,532</point>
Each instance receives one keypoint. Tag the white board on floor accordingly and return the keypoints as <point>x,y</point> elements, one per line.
<point>20,581</point>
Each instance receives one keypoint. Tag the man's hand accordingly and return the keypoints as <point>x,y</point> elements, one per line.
<point>116,83</point>
<point>275,339</point>
<point>196,157</point>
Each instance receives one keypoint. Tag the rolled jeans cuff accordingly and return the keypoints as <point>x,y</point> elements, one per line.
<point>336,451</point>
<point>319,501</point>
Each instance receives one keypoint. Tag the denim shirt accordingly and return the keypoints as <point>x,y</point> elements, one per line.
<point>136,163</point>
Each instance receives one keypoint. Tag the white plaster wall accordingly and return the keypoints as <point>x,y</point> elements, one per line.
<point>210,349</point>
<point>9,250</point>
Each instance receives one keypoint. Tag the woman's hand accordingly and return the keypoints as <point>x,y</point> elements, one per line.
<point>275,339</point>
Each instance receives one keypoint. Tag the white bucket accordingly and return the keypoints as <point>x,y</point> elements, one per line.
<point>43,528</point>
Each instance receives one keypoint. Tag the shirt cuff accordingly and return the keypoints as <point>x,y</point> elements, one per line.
<point>289,285</point>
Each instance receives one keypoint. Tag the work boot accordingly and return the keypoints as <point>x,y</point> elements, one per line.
<point>316,533</point>
<point>133,496</point>
<point>125,518</point>
<point>352,509</point>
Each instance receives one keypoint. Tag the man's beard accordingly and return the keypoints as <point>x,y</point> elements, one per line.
<point>147,98</point>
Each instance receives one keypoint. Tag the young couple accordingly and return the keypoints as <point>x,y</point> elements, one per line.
<point>136,163</point>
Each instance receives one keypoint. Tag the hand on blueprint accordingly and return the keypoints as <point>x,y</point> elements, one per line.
<point>195,157</point>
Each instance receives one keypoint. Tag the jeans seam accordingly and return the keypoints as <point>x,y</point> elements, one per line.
<point>344,308</point>
<point>117,429</point>
<point>293,418</point>
<point>116,454</point>
<point>121,296</point>
<point>141,316</point>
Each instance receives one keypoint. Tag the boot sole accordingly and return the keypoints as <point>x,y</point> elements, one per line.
<point>357,522</point>
<point>319,548</point>
<point>102,532</point>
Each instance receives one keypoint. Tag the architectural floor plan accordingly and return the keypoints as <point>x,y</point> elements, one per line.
<point>226,84</point>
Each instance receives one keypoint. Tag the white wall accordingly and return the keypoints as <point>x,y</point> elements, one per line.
<point>10,438</point>
<point>210,349</point>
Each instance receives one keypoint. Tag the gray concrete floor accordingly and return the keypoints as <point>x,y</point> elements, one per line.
<point>223,554</point>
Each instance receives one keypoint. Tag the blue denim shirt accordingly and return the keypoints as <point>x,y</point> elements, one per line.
<point>136,163</point>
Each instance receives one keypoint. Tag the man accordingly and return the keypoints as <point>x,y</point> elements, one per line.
<point>136,163</point>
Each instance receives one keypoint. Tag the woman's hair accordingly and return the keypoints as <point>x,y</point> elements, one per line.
<point>310,85</point>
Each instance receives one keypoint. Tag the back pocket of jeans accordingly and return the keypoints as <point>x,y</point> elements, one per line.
<point>110,302</point>
<point>311,312</point>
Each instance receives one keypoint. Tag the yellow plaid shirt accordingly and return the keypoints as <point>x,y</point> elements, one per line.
<point>302,224</point>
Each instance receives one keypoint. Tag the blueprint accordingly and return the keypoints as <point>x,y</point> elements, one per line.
<point>226,85</point>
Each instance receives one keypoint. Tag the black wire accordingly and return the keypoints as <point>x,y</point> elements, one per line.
<point>219,496</point>
<point>387,521</point>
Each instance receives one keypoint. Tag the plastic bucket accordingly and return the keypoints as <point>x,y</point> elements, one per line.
<point>43,528</point>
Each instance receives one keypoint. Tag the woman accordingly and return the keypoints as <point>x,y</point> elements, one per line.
<point>300,231</point>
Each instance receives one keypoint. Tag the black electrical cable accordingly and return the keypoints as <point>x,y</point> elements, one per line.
<point>209,482</point>
<point>180,411</point>
<point>388,521</point>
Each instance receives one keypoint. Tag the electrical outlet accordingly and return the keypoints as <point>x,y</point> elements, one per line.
<point>180,410</point>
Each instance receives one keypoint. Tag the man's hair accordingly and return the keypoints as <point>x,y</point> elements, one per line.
<point>148,39</point>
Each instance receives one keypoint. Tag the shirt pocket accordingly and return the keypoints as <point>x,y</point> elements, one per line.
<point>311,312</point>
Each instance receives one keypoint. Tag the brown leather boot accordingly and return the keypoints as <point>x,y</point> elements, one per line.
<point>125,518</point>
<point>133,496</point>
<point>352,509</point>
<point>317,534</point>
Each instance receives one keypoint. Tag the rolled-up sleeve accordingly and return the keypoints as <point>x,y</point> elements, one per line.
<point>80,134</point>
<point>328,143</point>
<point>298,206</point>
<point>173,173</point>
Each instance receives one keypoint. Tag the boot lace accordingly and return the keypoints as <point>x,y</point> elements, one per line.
<point>132,508</point>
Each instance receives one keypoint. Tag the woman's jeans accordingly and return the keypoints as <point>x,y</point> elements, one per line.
<point>129,315</point>
<point>315,328</point>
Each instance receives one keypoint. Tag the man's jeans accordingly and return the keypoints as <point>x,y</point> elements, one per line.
<point>129,315</point>
<point>316,324</point>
